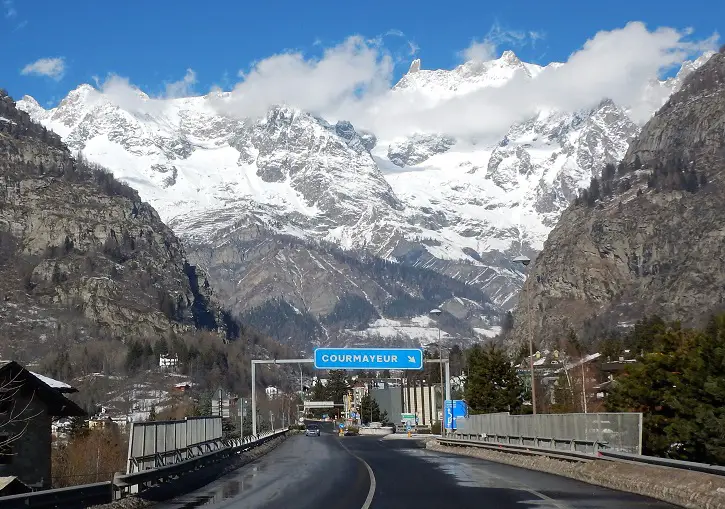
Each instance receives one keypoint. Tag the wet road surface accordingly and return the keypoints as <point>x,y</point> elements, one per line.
<point>334,472</point>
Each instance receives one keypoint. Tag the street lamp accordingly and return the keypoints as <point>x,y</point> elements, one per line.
<point>437,312</point>
<point>525,261</point>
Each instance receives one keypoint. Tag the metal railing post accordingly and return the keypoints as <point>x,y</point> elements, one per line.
<point>254,398</point>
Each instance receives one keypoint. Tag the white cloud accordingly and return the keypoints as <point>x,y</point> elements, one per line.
<point>10,11</point>
<point>122,93</point>
<point>479,51</point>
<point>353,81</point>
<point>351,71</point>
<point>618,64</point>
<point>182,88</point>
<point>50,67</point>
<point>487,48</point>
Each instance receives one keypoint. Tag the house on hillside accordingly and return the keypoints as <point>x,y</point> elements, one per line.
<point>29,403</point>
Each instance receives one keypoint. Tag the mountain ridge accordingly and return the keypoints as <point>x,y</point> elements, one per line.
<point>461,207</point>
<point>647,238</point>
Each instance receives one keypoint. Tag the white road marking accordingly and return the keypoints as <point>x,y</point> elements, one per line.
<point>371,491</point>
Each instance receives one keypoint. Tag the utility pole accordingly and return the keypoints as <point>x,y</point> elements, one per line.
<point>437,313</point>
<point>525,260</point>
<point>241,418</point>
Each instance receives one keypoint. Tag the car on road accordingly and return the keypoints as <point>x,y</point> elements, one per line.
<point>312,430</point>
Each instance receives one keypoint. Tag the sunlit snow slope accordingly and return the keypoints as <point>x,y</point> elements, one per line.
<point>461,207</point>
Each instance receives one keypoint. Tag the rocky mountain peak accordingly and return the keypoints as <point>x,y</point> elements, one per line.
<point>456,206</point>
<point>646,237</point>
<point>414,66</point>
<point>510,58</point>
<point>82,256</point>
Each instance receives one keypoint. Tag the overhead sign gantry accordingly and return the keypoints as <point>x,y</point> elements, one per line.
<point>354,359</point>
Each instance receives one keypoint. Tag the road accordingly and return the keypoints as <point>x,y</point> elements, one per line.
<point>334,472</point>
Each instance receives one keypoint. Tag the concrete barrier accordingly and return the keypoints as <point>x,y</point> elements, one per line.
<point>382,431</point>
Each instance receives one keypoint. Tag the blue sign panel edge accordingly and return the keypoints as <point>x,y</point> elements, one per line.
<point>369,351</point>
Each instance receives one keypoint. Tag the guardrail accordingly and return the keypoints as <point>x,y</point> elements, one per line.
<point>558,444</point>
<point>123,484</point>
<point>80,497</point>
<point>571,454</point>
<point>73,497</point>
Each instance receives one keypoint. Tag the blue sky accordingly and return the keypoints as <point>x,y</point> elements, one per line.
<point>154,42</point>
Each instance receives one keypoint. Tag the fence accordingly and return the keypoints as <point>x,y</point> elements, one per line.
<point>88,495</point>
<point>583,432</point>
<point>158,443</point>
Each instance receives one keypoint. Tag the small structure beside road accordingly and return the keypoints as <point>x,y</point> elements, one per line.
<point>28,404</point>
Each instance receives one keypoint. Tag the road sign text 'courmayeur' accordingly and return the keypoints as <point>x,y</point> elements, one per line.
<point>368,358</point>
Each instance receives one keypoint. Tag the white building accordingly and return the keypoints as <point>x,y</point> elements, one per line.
<point>168,362</point>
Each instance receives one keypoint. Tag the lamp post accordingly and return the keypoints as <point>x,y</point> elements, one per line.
<point>437,312</point>
<point>525,260</point>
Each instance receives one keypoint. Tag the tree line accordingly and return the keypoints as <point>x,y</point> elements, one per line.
<point>678,383</point>
<point>672,174</point>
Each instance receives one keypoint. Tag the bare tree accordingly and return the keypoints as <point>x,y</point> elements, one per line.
<point>16,412</point>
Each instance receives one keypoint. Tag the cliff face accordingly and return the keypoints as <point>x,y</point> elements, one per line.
<point>649,237</point>
<point>80,255</point>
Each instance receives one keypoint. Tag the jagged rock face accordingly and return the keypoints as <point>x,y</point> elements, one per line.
<point>333,298</point>
<point>652,248</point>
<point>506,164</point>
<point>416,149</point>
<point>463,207</point>
<point>81,246</point>
<point>328,166</point>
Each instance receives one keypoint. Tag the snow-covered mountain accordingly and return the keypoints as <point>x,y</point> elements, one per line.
<point>459,207</point>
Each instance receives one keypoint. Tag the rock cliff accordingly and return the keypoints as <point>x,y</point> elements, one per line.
<point>81,256</point>
<point>648,237</point>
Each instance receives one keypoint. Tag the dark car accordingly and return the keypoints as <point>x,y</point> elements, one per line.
<point>312,430</point>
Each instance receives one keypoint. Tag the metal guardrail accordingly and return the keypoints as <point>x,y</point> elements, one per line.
<point>80,497</point>
<point>571,454</point>
<point>557,444</point>
<point>664,462</point>
<point>73,497</point>
<point>124,483</point>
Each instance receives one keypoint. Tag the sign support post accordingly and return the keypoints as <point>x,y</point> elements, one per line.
<point>352,359</point>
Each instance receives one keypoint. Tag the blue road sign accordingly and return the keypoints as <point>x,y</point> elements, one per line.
<point>368,358</point>
<point>454,409</point>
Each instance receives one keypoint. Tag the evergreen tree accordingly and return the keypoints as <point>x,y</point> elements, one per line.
<point>492,384</point>
<point>134,356</point>
<point>564,401</point>
<point>679,385</point>
<point>337,385</point>
<point>370,411</point>
<point>78,427</point>
<point>594,192</point>
<point>161,347</point>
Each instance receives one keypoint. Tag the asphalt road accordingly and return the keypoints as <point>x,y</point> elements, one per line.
<point>334,472</point>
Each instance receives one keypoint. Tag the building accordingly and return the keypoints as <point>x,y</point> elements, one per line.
<point>167,362</point>
<point>11,485</point>
<point>412,397</point>
<point>28,405</point>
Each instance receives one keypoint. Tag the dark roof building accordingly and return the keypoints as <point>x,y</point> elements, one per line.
<point>28,404</point>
